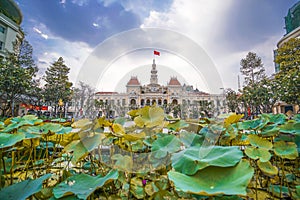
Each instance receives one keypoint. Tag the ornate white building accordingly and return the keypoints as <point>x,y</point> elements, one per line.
<point>10,31</point>
<point>181,100</point>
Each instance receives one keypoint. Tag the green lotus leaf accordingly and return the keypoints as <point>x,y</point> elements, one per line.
<point>134,136</point>
<point>254,124</point>
<point>270,130</point>
<point>58,120</point>
<point>296,195</point>
<point>286,150</point>
<point>231,197</point>
<point>287,127</point>
<point>133,113</point>
<point>191,139</point>
<point>17,122</point>
<point>276,118</point>
<point>30,117</point>
<point>164,145</point>
<point>258,153</point>
<point>7,140</point>
<point>118,130</point>
<point>27,134</point>
<point>64,130</point>
<point>215,180</point>
<point>83,185</point>
<point>277,189</point>
<point>83,146</point>
<point>297,118</point>
<point>120,120</point>
<point>24,189</point>
<point>297,127</point>
<point>290,177</point>
<point>231,132</point>
<point>267,168</point>
<point>164,194</point>
<point>137,188</point>
<point>12,126</point>
<point>234,118</point>
<point>123,162</point>
<point>151,188</point>
<point>45,128</point>
<point>2,125</point>
<point>297,141</point>
<point>71,197</point>
<point>81,123</point>
<point>176,126</point>
<point>137,146</point>
<point>257,141</point>
<point>191,160</point>
<point>149,116</point>
<point>102,122</point>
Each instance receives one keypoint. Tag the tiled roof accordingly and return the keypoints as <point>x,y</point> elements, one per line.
<point>133,81</point>
<point>174,81</point>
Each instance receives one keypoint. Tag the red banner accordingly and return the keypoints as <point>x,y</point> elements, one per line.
<point>31,107</point>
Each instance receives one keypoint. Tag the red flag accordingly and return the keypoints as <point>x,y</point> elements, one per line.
<point>156,53</point>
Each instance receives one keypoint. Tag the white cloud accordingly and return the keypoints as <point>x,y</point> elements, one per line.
<point>203,22</point>
<point>45,36</point>
<point>80,2</point>
<point>101,22</point>
<point>73,53</point>
<point>95,25</point>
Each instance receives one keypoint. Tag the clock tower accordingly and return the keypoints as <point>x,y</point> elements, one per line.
<point>153,79</point>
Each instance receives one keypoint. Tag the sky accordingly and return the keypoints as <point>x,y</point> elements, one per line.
<point>105,42</point>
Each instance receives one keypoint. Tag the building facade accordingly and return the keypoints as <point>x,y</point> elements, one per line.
<point>179,100</point>
<point>10,31</point>
<point>292,26</point>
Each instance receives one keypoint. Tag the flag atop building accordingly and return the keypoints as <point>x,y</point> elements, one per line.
<point>156,53</point>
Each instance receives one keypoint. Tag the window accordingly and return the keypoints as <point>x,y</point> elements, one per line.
<point>1,45</point>
<point>2,29</point>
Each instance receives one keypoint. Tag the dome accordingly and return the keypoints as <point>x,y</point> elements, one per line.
<point>11,10</point>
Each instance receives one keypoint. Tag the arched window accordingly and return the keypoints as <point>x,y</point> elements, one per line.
<point>159,101</point>
<point>165,101</point>
<point>153,101</point>
<point>132,102</point>
<point>148,102</point>
<point>175,102</point>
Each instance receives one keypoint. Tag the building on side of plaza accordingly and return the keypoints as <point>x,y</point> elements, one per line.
<point>179,100</point>
<point>292,26</point>
<point>10,31</point>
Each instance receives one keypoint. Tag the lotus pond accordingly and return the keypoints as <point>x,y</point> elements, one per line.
<point>150,156</point>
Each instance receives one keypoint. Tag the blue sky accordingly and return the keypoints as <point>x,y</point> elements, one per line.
<point>227,30</point>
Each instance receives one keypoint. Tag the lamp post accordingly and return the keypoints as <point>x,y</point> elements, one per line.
<point>223,100</point>
<point>60,104</point>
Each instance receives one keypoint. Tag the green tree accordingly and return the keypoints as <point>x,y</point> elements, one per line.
<point>57,84</point>
<point>288,78</point>
<point>17,72</point>
<point>232,100</point>
<point>260,96</point>
<point>252,68</point>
